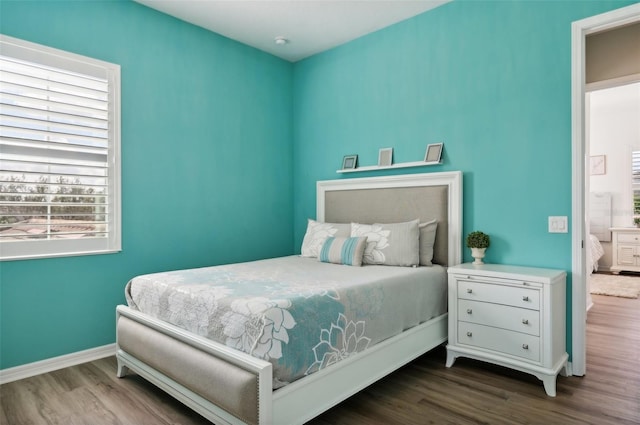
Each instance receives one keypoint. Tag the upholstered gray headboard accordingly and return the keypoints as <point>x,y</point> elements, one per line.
<point>397,199</point>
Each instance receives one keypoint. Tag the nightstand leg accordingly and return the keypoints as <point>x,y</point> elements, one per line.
<point>549,385</point>
<point>450,358</point>
<point>563,371</point>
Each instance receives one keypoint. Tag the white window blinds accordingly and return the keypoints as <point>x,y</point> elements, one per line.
<point>59,148</point>
<point>635,168</point>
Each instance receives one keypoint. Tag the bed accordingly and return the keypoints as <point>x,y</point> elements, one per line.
<point>226,384</point>
<point>596,251</point>
<point>599,225</point>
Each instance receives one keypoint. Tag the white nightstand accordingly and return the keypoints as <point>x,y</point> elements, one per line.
<point>625,249</point>
<point>511,316</point>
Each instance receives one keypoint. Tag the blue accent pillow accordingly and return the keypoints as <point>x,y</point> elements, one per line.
<point>347,251</point>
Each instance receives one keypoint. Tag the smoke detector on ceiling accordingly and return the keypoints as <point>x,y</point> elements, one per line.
<point>281,41</point>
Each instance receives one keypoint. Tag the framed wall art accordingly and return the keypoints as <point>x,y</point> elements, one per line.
<point>598,165</point>
<point>349,162</point>
<point>434,153</point>
<point>385,157</point>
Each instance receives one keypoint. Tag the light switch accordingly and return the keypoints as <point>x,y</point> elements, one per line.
<point>558,224</point>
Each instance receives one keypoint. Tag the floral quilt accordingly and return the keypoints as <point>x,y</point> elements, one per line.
<point>297,313</point>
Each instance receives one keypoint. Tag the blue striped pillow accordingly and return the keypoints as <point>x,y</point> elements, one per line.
<point>348,251</point>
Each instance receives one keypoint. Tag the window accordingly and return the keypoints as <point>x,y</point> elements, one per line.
<point>59,152</point>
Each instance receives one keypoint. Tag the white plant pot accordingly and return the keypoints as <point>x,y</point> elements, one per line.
<point>478,254</point>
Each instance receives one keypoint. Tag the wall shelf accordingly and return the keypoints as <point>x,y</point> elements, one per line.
<point>389,167</point>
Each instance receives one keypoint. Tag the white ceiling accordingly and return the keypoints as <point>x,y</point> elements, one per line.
<point>310,26</point>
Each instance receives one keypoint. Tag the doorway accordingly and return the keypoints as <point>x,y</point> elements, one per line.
<point>580,30</point>
<point>612,141</point>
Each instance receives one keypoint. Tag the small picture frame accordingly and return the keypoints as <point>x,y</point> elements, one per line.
<point>349,162</point>
<point>385,157</point>
<point>598,165</point>
<point>433,153</point>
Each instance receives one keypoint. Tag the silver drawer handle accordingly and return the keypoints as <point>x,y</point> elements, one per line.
<point>469,290</point>
<point>525,321</point>
<point>469,311</point>
<point>525,346</point>
<point>525,298</point>
<point>469,334</point>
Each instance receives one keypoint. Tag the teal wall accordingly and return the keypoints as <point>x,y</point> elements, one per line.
<point>206,167</point>
<point>240,138</point>
<point>490,79</point>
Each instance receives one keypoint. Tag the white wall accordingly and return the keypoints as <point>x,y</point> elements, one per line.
<point>614,131</point>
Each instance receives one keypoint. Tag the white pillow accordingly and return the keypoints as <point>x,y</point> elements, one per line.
<point>318,232</point>
<point>394,244</point>
<point>427,239</point>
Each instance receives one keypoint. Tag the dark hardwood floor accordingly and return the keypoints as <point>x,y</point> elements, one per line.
<point>422,392</point>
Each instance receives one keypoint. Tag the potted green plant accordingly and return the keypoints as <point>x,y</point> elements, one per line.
<point>478,242</point>
<point>636,221</point>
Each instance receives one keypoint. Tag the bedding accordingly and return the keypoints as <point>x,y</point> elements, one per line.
<point>318,232</point>
<point>395,244</point>
<point>427,241</point>
<point>298,313</point>
<point>347,251</point>
<point>392,244</point>
<point>596,253</point>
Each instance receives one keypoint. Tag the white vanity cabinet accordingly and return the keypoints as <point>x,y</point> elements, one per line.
<point>511,316</point>
<point>625,249</point>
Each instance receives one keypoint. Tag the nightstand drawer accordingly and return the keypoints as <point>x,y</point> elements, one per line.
<point>524,297</point>
<point>500,316</point>
<point>629,238</point>
<point>500,340</point>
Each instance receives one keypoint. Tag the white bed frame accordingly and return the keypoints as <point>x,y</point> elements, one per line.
<point>308,397</point>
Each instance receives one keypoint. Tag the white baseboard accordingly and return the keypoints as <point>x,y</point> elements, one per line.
<point>48,365</point>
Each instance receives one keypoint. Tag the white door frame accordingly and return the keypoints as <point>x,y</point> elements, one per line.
<point>579,31</point>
